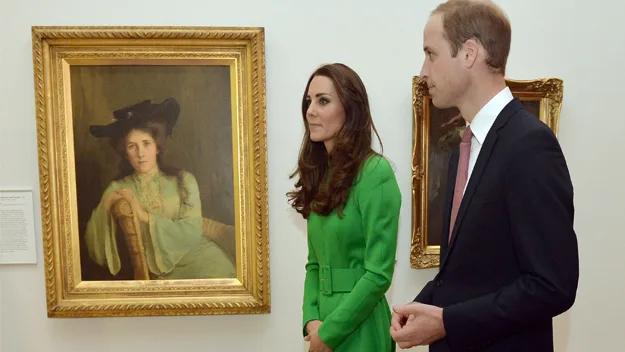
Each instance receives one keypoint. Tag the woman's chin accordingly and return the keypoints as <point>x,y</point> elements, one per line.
<point>314,138</point>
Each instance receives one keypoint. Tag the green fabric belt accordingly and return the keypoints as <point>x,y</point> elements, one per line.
<point>338,280</point>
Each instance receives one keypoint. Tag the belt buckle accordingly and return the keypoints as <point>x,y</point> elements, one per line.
<point>326,280</point>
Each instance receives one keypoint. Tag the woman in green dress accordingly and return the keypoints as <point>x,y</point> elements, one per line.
<point>349,195</point>
<point>166,200</point>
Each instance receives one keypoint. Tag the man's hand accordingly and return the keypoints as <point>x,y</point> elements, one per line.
<point>399,320</point>
<point>420,325</point>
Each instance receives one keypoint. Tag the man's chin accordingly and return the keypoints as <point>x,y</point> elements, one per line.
<point>441,104</point>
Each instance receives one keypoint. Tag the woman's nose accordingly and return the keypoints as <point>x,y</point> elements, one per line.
<point>310,111</point>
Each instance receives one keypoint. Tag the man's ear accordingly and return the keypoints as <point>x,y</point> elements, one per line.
<point>470,52</point>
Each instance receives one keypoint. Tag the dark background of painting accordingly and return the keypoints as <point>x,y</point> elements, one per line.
<point>201,142</point>
<point>442,142</point>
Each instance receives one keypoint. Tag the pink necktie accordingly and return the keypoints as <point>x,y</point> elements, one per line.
<point>461,176</point>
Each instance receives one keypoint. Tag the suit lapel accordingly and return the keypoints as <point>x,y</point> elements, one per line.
<point>474,180</point>
<point>478,170</point>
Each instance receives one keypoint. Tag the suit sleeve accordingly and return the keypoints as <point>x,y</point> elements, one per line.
<point>310,306</point>
<point>539,201</point>
<point>379,200</point>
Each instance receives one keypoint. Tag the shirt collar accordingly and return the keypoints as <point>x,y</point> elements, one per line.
<point>483,121</point>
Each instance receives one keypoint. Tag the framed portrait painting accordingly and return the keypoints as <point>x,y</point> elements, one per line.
<point>152,160</point>
<point>436,134</point>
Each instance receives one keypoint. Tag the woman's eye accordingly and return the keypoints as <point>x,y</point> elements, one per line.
<point>323,101</point>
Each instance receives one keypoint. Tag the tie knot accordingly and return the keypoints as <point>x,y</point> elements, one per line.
<point>466,136</point>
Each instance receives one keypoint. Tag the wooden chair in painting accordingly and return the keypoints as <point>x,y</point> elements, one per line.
<point>123,212</point>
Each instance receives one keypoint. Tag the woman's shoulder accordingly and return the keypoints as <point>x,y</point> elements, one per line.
<point>377,165</point>
<point>187,176</point>
<point>118,183</point>
<point>183,175</point>
<point>375,169</point>
<point>177,178</point>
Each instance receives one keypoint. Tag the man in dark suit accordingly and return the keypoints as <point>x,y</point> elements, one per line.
<point>509,257</point>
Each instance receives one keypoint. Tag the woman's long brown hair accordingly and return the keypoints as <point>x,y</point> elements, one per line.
<point>325,178</point>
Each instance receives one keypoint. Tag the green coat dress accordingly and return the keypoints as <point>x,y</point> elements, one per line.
<point>351,263</point>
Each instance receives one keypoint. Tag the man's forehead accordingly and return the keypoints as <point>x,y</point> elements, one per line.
<point>434,24</point>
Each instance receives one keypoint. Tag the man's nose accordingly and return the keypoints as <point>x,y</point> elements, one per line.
<point>424,73</point>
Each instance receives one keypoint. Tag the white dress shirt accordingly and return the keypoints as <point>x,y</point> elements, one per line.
<point>482,122</point>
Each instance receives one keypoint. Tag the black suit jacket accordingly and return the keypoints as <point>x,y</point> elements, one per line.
<point>512,264</point>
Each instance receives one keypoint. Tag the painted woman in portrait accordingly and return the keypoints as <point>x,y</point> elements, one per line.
<point>154,211</point>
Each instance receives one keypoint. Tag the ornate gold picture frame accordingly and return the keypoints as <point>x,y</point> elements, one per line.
<point>436,132</point>
<point>153,170</point>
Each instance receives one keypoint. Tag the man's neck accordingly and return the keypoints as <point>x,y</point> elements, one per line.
<point>479,94</point>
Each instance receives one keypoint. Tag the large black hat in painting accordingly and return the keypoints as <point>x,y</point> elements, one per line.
<point>134,115</point>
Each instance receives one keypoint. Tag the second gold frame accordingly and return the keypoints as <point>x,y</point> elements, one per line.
<point>436,132</point>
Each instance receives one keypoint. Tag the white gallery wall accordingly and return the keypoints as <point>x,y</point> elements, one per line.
<point>578,41</point>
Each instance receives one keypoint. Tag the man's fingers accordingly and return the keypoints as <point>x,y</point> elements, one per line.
<point>404,345</point>
<point>406,334</point>
<point>399,309</point>
<point>407,309</point>
<point>397,321</point>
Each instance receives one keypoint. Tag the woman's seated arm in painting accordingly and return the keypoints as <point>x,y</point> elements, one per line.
<point>101,230</point>
<point>166,238</point>
<point>170,239</point>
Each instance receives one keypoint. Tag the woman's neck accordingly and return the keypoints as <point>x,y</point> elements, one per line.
<point>148,174</point>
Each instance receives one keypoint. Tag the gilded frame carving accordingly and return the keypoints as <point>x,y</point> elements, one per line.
<point>239,51</point>
<point>543,95</point>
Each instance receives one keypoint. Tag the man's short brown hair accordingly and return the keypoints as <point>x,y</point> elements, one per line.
<point>479,20</point>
